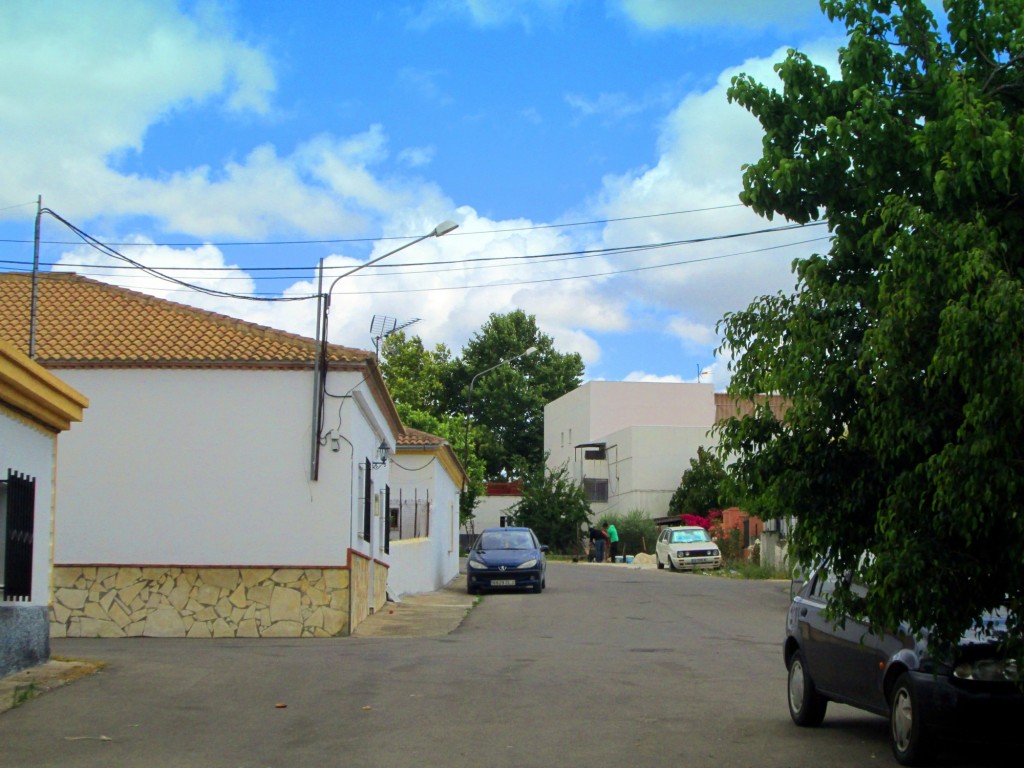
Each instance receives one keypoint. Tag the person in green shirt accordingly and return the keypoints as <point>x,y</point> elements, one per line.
<point>613,539</point>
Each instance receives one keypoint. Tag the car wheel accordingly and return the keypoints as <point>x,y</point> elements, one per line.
<point>537,588</point>
<point>660,564</point>
<point>470,589</point>
<point>806,705</point>
<point>671,563</point>
<point>910,745</point>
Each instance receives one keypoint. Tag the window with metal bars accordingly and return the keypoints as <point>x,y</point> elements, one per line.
<point>17,508</point>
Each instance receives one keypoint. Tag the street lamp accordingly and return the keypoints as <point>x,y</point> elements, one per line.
<point>320,364</point>
<point>469,400</point>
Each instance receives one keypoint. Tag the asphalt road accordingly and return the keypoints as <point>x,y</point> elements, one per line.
<point>610,666</point>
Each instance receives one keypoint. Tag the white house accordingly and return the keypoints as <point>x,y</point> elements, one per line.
<point>628,443</point>
<point>35,406</point>
<point>423,504</point>
<point>203,497</point>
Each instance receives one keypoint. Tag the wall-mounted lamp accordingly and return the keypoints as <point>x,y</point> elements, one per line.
<point>383,451</point>
<point>335,443</point>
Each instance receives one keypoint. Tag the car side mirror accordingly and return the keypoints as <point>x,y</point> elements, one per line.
<point>797,581</point>
<point>545,548</point>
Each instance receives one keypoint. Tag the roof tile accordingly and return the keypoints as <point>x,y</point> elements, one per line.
<point>87,322</point>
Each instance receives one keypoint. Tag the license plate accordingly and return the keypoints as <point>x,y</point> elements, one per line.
<point>503,582</point>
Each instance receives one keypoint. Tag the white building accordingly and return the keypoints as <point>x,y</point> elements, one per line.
<point>423,503</point>
<point>628,443</point>
<point>35,406</point>
<point>202,498</point>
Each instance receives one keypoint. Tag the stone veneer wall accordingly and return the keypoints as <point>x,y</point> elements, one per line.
<point>170,601</point>
<point>360,574</point>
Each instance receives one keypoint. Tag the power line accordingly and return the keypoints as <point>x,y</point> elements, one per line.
<point>335,241</point>
<point>108,251</point>
<point>610,273</point>
<point>551,256</point>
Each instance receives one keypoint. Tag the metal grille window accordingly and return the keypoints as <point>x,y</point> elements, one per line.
<point>17,506</point>
<point>596,489</point>
<point>409,517</point>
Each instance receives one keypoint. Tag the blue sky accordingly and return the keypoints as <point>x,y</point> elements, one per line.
<point>217,140</point>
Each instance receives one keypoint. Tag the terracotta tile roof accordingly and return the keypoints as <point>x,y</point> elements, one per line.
<point>87,323</point>
<point>419,439</point>
<point>416,440</point>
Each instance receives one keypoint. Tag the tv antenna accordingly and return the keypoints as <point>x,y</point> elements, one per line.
<point>383,326</point>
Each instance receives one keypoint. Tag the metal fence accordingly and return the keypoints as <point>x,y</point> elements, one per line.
<point>18,531</point>
<point>409,517</point>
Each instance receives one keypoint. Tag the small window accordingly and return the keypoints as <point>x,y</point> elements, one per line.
<point>595,489</point>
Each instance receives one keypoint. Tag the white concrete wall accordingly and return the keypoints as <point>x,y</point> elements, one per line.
<point>427,563</point>
<point>192,467</point>
<point>30,451</point>
<point>489,511</point>
<point>651,430</point>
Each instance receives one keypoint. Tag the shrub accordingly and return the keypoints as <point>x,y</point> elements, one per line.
<point>637,532</point>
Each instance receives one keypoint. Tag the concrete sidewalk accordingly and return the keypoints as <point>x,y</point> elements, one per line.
<point>430,614</point>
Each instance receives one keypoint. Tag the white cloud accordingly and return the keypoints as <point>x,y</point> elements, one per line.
<point>614,105</point>
<point>330,184</point>
<point>658,14</point>
<point>417,157</point>
<point>650,377</point>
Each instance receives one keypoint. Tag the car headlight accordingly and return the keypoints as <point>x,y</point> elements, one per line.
<point>528,564</point>
<point>476,564</point>
<point>988,670</point>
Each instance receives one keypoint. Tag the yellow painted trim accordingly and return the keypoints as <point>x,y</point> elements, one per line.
<point>30,388</point>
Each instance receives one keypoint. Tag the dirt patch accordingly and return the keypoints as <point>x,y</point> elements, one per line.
<point>23,686</point>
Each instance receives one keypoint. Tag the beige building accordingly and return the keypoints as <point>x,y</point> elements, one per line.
<point>628,443</point>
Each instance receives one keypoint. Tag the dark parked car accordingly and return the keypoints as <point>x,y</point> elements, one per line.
<point>970,693</point>
<point>506,558</point>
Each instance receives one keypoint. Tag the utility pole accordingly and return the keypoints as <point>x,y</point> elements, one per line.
<point>35,283</point>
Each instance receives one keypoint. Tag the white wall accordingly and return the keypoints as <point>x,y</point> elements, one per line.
<point>30,451</point>
<point>427,563</point>
<point>651,430</point>
<point>193,467</point>
<point>489,511</point>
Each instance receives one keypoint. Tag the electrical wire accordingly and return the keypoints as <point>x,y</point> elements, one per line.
<point>250,243</point>
<point>551,256</point>
<point>610,273</point>
<point>106,250</point>
<point>415,469</point>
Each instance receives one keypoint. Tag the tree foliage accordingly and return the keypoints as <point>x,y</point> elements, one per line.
<point>508,401</point>
<point>498,432</point>
<point>554,506</point>
<point>702,487</point>
<point>900,349</point>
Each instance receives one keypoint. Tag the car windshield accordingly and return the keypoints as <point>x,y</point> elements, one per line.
<point>505,540</point>
<point>687,537</point>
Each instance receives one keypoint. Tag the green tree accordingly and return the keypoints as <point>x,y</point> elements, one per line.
<point>417,379</point>
<point>508,402</point>
<point>701,487</point>
<point>554,506</point>
<point>414,375</point>
<point>900,349</point>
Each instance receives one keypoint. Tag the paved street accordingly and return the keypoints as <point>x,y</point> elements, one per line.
<point>612,665</point>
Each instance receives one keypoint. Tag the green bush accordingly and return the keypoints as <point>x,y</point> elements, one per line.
<point>637,532</point>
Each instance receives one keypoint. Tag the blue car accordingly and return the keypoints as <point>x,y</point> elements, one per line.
<point>506,558</point>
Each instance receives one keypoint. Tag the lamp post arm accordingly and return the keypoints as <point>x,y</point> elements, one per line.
<point>320,371</point>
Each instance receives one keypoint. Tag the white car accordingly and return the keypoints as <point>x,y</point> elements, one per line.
<point>687,547</point>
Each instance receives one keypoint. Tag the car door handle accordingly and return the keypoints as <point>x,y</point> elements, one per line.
<point>803,612</point>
